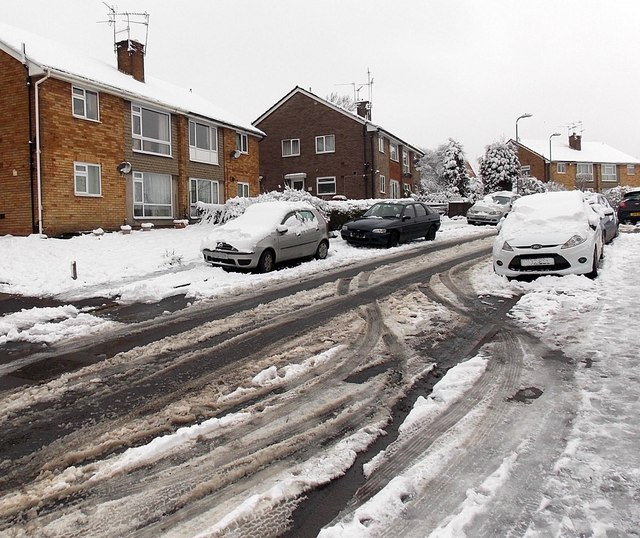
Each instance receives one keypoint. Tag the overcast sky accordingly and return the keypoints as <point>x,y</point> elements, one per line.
<point>441,68</point>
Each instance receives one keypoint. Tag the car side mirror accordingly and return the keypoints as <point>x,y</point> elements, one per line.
<point>282,229</point>
<point>608,211</point>
<point>406,217</point>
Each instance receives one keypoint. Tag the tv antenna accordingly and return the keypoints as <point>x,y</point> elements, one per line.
<point>122,23</point>
<point>574,127</point>
<point>358,87</point>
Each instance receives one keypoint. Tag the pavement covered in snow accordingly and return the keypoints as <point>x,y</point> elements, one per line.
<point>594,489</point>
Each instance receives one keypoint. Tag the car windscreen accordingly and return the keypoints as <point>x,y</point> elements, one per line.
<point>384,211</point>
<point>635,195</point>
<point>502,200</point>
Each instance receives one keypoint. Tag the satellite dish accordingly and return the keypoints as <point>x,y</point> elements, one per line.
<point>235,154</point>
<point>124,168</point>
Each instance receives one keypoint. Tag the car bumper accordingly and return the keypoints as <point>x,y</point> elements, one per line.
<point>556,261</point>
<point>356,237</point>
<point>236,260</point>
<point>483,219</point>
<point>625,216</point>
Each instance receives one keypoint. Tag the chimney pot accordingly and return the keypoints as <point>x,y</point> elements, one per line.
<point>131,58</point>
<point>363,108</point>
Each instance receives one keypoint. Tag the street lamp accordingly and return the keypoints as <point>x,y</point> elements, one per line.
<point>525,115</point>
<point>550,137</point>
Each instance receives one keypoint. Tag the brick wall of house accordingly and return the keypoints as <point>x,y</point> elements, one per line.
<point>66,139</point>
<point>534,161</point>
<point>245,169</point>
<point>382,165</point>
<point>305,118</point>
<point>15,178</point>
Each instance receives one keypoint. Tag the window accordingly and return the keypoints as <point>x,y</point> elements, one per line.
<point>584,172</point>
<point>243,190</point>
<point>409,211</point>
<point>609,172</point>
<point>202,190</point>
<point>87,179</point>
<point>394,186</point>
<point>151,130</point>
<point>151,195</point>
<point>525,170</point>
<point>383,184</point>
<point>406,169</point>
<point>420,210</point>
<point>291,147</point>
<point>393,151</point>
<point>242,143</point>
<point>85,103</point>
<point>203,143</point>
<point>326,185</point>
<point>381,144</point>
<point>631,169</point>
<point>561,168</point>
<point>325,144</point>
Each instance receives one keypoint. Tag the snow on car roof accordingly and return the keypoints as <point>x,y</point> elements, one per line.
<point>547,212</point>
<point>254,224</point>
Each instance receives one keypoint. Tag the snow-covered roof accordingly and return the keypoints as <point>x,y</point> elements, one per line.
<point>347,113</point>
<point>590,152</point>
<point>42,55</point>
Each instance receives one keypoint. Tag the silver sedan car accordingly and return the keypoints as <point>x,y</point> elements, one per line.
<point>266,234</point>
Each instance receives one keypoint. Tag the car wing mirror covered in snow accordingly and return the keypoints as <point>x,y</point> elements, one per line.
<point>282,229</point>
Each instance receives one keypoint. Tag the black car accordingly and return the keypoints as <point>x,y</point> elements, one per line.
<point>390,223</point>
<point>629,207</point>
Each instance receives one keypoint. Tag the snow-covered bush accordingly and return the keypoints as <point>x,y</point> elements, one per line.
<point>499,167</point>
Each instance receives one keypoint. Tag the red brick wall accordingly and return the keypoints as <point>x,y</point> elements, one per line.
<point>245,169</point>
<point>15,179</point>
<point>305,118</point>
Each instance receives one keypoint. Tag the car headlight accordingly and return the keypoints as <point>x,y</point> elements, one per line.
<point>494,212</point>
<point>472,211</point>
<point>345,227</point>
<point>379,231</point>
<point>507,246</point>
<point>574,241</point>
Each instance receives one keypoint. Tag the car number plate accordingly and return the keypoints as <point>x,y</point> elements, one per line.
<point>635,214</point>
<point>528,262</point>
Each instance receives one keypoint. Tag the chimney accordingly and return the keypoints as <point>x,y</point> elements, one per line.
<point>131,58</point>
<point>364,109</point>
<point>575,142</point>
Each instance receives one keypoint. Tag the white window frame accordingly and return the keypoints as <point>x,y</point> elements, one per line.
<point>194,193</point>
<point>140,139</point>
<point>561,168</point>
<point>200,154</point>
<point>631,169</point>
<point>393,151</point>
<point>406,169</point>
<point>321,143</point>
<point>139,200</point>
<point>288,144</point>
<point>394,188</point>
<point>81,172</point>
<point>79,95</point>
<point>326,181</point>
<point>589,173</point>
<point>383,184</point>
<point>243,189</point>
<point>242,142</point>
<point>381,144</point>
<point>605,170</point>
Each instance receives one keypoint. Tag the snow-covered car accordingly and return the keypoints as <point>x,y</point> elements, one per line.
<point>266,234</point>
<point>608,217</point>
<point>629,207</point>
<point>551,233</point>
<point>491,208</point>
<point>392,222</point>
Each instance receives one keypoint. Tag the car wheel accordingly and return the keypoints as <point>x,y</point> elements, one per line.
<point>323,249</point>
<point>394,239</point>
<point>594,269</point>
<point>266,262</point>
<point>431,233</point>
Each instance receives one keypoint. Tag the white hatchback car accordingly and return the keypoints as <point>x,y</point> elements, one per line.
<point>491,208</point>
<point>551,233</point>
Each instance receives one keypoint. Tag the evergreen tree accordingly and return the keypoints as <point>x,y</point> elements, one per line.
<point>455,172</point>
<point>499,167</point>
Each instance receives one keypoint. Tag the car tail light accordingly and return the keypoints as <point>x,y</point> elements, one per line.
<point>623,204</point>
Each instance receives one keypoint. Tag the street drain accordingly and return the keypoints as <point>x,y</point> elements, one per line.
<point>526,395</point>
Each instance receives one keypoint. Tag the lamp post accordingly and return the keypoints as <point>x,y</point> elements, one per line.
<point>550,137</point>
<point>525,115</point>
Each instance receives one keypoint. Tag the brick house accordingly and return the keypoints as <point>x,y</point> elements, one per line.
<point>577,164</point>
<point>84,144</point>
<point>314,145</point>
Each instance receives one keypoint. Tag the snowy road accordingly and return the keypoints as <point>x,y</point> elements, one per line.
<point>392,400</point>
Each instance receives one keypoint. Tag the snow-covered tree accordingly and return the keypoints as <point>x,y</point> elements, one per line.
<point>431,167</point>
<point>343,101</point>
<point>499,167</point>
<point>455,172</point>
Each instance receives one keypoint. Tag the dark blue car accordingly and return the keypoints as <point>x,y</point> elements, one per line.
<point>390,223</point>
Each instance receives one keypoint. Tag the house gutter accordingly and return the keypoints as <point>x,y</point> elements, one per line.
<point>30,119</point>
<point>38,163</point>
